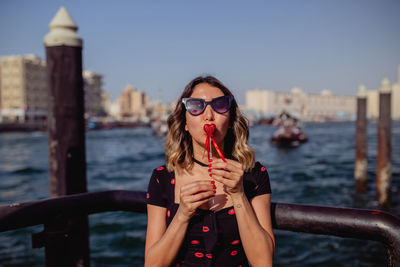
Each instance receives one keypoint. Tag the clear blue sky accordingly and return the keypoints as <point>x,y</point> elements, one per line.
<point>162,45</point>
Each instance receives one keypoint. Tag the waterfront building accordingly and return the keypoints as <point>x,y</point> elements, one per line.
<point>372,104</point>
<point>396,98</point>
<point>23,89</point>
<point>93,94</point>
<point>106,102</point>
<point>134,104</point>
<point>114,109</point>
<point>373,101</point>
<point>308,107</point>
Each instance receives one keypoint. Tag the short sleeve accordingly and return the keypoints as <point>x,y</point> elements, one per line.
<point>156,193</point>
<point>256,182</point>
<point>262,181</point>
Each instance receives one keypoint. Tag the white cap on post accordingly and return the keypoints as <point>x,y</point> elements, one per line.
<point>63,31</point>
<point>385,86</point>
<point>362,91</point>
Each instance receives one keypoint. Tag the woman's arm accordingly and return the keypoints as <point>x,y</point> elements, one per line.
<point>162,243</point>
<point>254,219</point>
<point>255,228</point>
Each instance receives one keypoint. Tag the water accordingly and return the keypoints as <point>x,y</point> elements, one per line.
<point>319,172</point>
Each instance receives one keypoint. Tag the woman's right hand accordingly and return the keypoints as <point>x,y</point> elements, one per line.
<point>192,196</point>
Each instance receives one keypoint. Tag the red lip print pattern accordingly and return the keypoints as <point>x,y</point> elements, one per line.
<point>231,211</point>
<point>263,169</point>
<point>199,255</point>
<point>195,242</point>
<point>209,256</point>
<point>168,213</point>
<point>235,242</point>
<point>160,168</point>
<point>173,181</point>
<point>233,253</point>
<point>147,195</point>
<point>206,229</point>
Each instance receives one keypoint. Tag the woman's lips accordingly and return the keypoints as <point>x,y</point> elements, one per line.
<point>209,129</point>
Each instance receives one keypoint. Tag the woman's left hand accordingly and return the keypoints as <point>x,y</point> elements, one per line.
<point>229,173</point>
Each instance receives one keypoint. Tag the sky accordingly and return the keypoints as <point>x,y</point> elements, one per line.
<point>160,46</point>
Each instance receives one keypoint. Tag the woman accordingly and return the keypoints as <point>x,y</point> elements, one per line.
<point>204,213</point>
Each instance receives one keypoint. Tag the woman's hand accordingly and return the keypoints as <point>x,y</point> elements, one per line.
<point>230,174</point>
<point>192,196</point>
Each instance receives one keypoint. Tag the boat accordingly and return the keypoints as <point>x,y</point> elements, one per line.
<point>159,127</point>
<point>289,141</point>
<point>289,133</point>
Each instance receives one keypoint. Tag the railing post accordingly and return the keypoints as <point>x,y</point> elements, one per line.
<point>66,240</point>
<point>360,165</point>
<point>384,165</point>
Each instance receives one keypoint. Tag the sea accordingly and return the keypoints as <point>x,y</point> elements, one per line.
<point>319,172</point>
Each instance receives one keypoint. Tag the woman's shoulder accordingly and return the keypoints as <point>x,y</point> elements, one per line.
<point>257,169</point>
<point>161,174</point>
<point>256,181</point>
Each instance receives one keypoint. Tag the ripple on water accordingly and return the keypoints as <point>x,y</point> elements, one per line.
<point>28,170</point>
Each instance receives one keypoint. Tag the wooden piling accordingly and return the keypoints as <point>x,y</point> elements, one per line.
<point>66,239</point>
<point>360,165</point>
<point>384,165</point>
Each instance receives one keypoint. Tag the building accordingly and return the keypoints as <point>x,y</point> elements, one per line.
<point>308,107</point>
<point>93,94</point>
<point>133,103</point>
<point>373,100</point>
<point>23,89</point>
<point>105,102</point>
<point>114,109</point>
<point>396,98</point>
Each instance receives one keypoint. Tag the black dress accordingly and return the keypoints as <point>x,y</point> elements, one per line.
<point>212,238</point>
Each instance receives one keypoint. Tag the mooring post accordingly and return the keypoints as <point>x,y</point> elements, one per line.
<point>384,164</point>
<point>360,165</point>
<point>66,239</point>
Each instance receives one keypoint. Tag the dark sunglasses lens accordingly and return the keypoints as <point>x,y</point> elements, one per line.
<point>221,104</point>
<point>195,106</point>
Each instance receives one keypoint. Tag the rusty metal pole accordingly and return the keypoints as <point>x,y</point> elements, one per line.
<point>360,165</point>
<point>384,164</point>
<point>66,239</point>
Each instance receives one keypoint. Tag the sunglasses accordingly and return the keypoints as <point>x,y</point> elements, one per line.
<point>196,106</point>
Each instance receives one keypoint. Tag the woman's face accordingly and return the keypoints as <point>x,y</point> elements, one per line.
<point>194,124</point>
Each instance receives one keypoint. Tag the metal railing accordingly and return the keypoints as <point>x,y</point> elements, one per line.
<point>343,222</point>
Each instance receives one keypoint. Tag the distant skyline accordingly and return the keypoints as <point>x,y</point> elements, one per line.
<point>161,45</point>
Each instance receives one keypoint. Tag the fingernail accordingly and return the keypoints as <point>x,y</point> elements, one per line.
<point>210,160</point>
<point>215,191</point>
<point>213,182</point>
<point>209,165</point>
<point>214,187</point>
<point>209,170</point>
<point>210,174</point>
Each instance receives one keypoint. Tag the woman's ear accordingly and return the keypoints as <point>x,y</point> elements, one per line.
<point>186,127</point>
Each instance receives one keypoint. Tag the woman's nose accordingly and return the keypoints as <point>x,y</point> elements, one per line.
<point>209,113</point>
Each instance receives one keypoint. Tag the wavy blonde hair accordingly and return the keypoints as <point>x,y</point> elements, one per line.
<point>178,142</point>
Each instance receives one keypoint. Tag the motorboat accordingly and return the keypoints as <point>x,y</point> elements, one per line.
<point>289,133</point>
